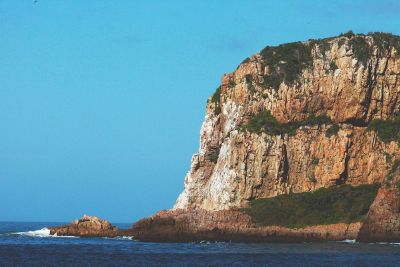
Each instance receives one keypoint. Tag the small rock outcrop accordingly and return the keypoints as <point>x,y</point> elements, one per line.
<point>87,226</point>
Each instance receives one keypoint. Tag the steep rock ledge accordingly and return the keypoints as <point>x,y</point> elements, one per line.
<point>230,225</point>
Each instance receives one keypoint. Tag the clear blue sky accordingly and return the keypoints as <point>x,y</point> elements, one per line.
<point>101,102</point>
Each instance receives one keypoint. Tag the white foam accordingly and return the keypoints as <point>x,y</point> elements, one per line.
<point>389,243</point>
<point>349,241</point>
<point>44,232</point>
<point>124,237</point>
<point>353,241</point>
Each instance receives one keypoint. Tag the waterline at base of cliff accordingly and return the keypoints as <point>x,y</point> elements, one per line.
<point>40,251</point>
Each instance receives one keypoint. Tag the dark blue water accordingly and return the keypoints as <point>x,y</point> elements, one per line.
<point>29,249</point>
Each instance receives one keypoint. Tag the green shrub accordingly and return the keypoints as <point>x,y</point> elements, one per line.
<point>332,130</point>
<point>265,122</point>
<point>333,66</point>
<point>387,130</point>
<point>248,78</point>
<point>337,204</point>
<point>383,41</point>
<point>315,161</point>
<point>312,179</point>
<point>246,60</point>
<point>286,62</point>
<point>214,154</point>
<point>395,168</point>
<point>361,49</point>
<point>398,185</point>
<point>386,40</point>
<point>216,99</point>
<point>348,34</point>
<point>387,184</point>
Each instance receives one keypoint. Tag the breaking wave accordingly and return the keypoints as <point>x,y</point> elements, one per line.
<point>349,241</point>
<point>44,232</point>
<point>120,237</point>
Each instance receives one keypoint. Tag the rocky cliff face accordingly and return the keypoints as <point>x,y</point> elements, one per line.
<point>352,79</point>
<point>383,220</point>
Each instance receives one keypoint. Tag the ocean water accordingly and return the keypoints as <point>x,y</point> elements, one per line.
<point>29,244</point>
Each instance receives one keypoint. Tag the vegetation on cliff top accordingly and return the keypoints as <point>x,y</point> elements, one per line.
<point>265,122</point>
<point>383,41</point>
<point>216,99</point>
<point>287,61</point>
<point>336,204</point>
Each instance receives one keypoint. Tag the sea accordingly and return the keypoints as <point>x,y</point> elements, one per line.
<point>30,244</point>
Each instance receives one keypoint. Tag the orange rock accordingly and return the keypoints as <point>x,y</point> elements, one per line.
<point>87,226</point>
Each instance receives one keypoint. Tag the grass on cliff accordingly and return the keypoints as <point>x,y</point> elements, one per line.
<point>214,155</point>
<point>286,62</point>
<point>383,41</point>
<point>387,130</point>
<point>216,99</point>
<point>265,122</point>
<point>336,204</point>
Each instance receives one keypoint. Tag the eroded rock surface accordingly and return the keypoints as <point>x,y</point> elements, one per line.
<point>230,225</point>
<point>87,226</point>
<point>383,219</point>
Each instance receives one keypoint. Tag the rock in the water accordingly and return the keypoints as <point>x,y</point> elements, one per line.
<point>87,226</point>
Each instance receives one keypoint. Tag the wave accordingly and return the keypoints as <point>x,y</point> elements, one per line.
<point>349,241</point>
<point>389,243</point>
<point>126,237</point>
<point>44,232</point>
<point>119,237</point>
<point>353,241</point>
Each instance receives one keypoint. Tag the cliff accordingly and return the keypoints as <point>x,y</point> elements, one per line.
<point>351,79</point>
<point>295,144</point>
<point>288,121</point>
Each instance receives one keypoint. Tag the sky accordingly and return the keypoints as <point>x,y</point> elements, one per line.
<point>101,102</point>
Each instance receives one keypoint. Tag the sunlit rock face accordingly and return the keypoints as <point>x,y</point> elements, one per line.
<point>352,79</point>
<point>87,226</point>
